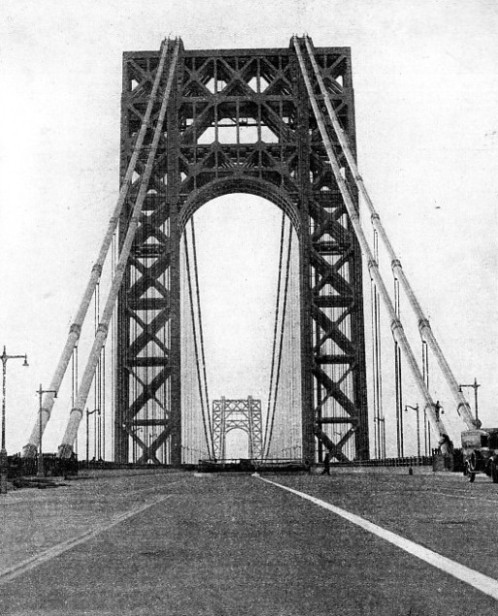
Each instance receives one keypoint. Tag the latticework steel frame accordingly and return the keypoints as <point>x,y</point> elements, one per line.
<point>239,121</point>
<point>243,415</point>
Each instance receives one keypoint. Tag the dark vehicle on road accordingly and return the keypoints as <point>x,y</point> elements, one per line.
<point>480,453</point>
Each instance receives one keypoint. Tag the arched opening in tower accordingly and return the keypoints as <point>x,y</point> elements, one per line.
<point>243,261</point>
<point>237,444</point>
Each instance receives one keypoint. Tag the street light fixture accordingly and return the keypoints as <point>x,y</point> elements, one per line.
<point>417,410</point>
<point>475,385</point>
<point>4,464</point>
<point>40,392</point>
<point>438,410</point>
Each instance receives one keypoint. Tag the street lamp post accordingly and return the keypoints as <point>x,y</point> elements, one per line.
<point>40,393</point>
<point>417,410</point>
<point>475,385</point>
<point>88,413</point>
<point>3,452</point>
<point>427,433</point>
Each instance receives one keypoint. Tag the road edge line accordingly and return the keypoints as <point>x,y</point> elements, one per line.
<point>479,581</point>
<point>38,559</point>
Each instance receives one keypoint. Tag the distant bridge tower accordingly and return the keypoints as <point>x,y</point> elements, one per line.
<point>239,121</point>
<point>237,414</point>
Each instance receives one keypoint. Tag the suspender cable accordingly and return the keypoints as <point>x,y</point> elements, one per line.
<point>463,407</point>
<point>102,409</point>
<point>134,381</point>
<point>396,326</point>
<point>275,331</point>
<point>196,347</point>
<point>75,329</point>
<point>282,328</point>
<point>113,345</point>
<point>377,364</point>
<point>398,378</point>
<point>97,380</point>
<point>66,446</point>
<point>201,335</point>
<point>74,382</point>
<point>425,373</point>
<point>377,369</point>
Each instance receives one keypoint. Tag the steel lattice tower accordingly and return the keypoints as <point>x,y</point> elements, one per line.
<point>237,414</point>
<point>239,121</point>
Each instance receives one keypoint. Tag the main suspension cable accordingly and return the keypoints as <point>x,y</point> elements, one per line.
<point>282,329</point>
<point>275,331</point>
<point>66,447</point>
<point>43,415</point>
<point>196,346</point>
<point>425,330</point>
<point>396,326</point>
<point>201,334</point>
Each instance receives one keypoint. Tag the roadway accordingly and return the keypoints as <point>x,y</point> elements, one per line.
<point>228,545</point>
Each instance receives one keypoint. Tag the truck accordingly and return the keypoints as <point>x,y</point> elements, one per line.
<point>480,453</point>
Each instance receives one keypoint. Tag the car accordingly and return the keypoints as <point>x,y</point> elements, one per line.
<point>480,453</point>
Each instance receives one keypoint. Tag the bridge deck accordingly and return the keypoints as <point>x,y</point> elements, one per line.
<point>176,543</point>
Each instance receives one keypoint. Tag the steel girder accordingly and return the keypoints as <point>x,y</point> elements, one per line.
<point>240,121</point>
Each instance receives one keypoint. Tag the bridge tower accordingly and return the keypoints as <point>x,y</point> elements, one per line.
<point>237,414</point>
<point>239,121</point>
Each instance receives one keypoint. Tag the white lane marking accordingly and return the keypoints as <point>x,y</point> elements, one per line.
<point>38,559</point>
<point>481,582</point>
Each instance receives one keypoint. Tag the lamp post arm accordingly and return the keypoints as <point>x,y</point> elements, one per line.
<point>475,385</point>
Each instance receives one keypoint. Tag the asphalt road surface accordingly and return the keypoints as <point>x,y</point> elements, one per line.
<point>230,545</point>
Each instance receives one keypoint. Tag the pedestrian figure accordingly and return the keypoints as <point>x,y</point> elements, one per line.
<point>326,464</point>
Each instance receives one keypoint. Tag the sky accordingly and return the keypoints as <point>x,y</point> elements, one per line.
<point>426,93</point>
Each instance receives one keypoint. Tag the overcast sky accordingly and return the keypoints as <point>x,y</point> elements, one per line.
<point>426,92</point>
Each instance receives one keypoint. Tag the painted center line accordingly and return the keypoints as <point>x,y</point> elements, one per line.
<point>481,582</point>
<point>38,559</point>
